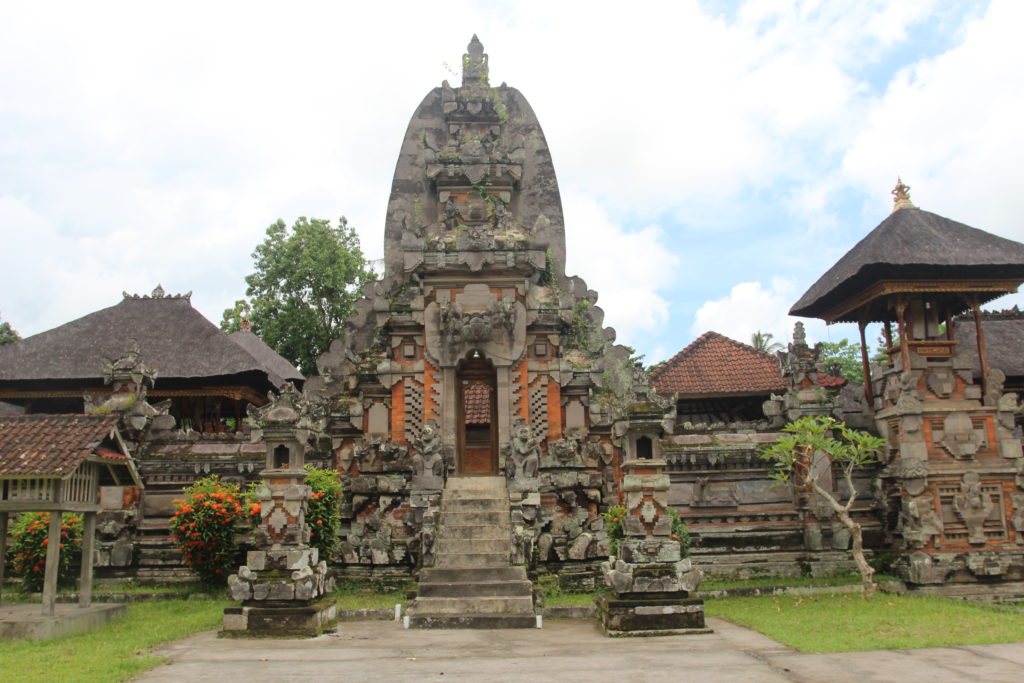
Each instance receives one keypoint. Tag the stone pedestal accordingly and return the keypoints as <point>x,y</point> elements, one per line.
<point>651,614</point>
<point>281,619</point>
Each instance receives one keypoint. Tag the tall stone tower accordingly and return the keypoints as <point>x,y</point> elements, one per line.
<point>475,354</point>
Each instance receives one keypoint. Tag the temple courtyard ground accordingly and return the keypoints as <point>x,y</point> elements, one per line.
<point>565,650</point>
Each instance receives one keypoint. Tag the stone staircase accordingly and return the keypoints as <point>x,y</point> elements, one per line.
<point>472,584</point>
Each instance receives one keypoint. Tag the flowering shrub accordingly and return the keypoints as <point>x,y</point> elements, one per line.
<point>613,526</point>
<point>28,549</point>
<point>205,525</point>
<point>323,514</point>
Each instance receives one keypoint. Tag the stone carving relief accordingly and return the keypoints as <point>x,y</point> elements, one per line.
<point>973,506</point>
<point>919,523</point>
<point>522,458</point>
<point>428,461</point>
<point>458,326</point>
<point>959,438</point>
<point>715,494</point>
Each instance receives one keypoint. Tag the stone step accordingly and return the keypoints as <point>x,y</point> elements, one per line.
<point>475,531</point>
<point>476,484</point>
<point>468,518</point>
<point>474,605</point>
<point>448,546</point>
<point>488,496</point>
<point>476,621</point>
<point>471,589</point>
<point>472,560</point>
<point>471,574</point>
<point>474,505</point>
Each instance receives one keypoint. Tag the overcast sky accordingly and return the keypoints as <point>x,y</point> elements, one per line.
<point>714,158</point>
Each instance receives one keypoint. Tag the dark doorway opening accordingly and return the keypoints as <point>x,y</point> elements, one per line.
<point>477,416</point>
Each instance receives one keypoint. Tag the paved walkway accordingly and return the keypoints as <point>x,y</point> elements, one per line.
<point>565,650</point>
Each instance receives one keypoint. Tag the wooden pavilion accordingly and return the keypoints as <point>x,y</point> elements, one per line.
<point>56,464</point>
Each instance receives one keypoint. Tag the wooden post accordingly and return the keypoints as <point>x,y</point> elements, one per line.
<point>982,348</point>
<point>3,551</point>
<point>52,564</point>
<point>901,309</point>
<point>88,544</point>
<point>887,330</point>
<point>869,394</point>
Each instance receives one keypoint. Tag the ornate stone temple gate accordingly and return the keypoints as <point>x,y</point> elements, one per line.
<point>475,355</point>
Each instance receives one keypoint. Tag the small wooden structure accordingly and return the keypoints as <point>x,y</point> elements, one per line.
<point>56,464</point>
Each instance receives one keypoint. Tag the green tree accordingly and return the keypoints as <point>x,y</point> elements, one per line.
<point>306,281</point>
<point>762,341</point>
<point>8,335</point>
<point>793,457</point>
<point>846,356</point>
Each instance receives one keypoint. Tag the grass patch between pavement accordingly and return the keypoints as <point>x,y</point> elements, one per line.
<point>117,651</point>
<point>848,622</point>
<point>787,581</point>
<point>356,595</point>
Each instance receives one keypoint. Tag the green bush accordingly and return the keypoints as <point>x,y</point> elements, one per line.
<point>323,514</point>
<point>613,526</point>
<point>28,549</point>
<point>205,526</point>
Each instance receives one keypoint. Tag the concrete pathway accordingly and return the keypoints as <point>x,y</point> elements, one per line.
<point>565,650</point>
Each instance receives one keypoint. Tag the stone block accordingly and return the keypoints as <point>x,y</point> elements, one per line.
<point>692,440</point>
<point>733,438</point>
<point>281,591</point>
<point>256,560</point>
<point>235,619</point>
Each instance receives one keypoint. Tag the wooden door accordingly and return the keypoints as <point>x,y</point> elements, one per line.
<point>477,418</point>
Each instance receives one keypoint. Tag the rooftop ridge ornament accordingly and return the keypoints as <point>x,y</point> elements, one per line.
<point>158,293</point>
<point>474,64</point>
<point>245,325</point>
<point>901,196</point>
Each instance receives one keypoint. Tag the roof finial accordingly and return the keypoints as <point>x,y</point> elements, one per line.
<point>901,196</point>
<point>245,325</point>
<point>474,63</point>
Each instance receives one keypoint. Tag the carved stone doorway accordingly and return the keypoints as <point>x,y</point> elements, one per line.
<point>477,417</point>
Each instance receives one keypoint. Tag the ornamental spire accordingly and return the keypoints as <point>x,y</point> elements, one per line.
<point>901,196</point>
<point>474,63</point>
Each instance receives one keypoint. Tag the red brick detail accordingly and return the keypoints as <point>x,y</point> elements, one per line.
<point>398,412</point>
<point>554,410</point>
<point>523,407</point>
<point>429,380</point>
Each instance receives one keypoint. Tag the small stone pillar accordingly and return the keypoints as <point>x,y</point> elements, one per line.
<point>283,583</point>
<point>650,578</point>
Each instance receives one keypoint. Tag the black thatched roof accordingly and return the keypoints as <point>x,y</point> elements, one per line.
<point>277,367</point>
<point>1004,340</point>
<point>173,337</point>
<point>912,244</point>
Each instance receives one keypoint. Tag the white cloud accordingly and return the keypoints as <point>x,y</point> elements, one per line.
<point>626,268</point>
<point>750,307</point>
<point>950,126</point>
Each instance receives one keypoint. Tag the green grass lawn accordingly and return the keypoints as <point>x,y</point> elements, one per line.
<point>115,652</point>
<point>795,581</point>
<point>361,596</point>
<point>848,622</point>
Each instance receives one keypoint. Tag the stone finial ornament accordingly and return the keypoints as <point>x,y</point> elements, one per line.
<point>901,196</point>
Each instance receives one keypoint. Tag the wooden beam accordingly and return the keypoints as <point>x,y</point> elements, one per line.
<point>869,394</point>
<point>901,309</point>
<point>3,551</point>
<point>52,564</point>
<point>88,549</point>
<point>982,347</point>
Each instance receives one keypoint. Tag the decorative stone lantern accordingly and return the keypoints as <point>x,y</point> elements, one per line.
<point>283,583</point>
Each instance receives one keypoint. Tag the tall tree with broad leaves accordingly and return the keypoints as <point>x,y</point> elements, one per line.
<point>306,281</point>
<point>8,335</point>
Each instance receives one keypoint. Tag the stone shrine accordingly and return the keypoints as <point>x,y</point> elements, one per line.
<point>476,355</point>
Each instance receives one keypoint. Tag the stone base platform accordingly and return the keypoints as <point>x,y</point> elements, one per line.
<point>25,622</point>
<point>651,614</point>
<point>280,621</point>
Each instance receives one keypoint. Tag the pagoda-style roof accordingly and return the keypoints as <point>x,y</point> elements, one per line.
<point>715,365</point>
<point>1004,340</point>
<point>913,245</point>
<point>278,369</point>
<point>56,445</point>
<point>172,336</point>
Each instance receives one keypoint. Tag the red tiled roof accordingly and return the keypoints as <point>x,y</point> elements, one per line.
<point>51,445</point>
<point>831,382</point>
<point>477,399</point>
<point>715,365</point>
